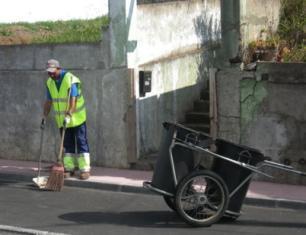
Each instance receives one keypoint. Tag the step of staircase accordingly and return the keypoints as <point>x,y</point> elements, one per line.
<point>201,106</point>
<point>198,127</point>
<point>197,117</point>
<point>204,95</point>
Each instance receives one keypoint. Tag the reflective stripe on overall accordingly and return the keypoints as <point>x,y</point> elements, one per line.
<point>82,162</point>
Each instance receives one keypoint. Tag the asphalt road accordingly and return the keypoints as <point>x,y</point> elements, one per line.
<point>89,211</point>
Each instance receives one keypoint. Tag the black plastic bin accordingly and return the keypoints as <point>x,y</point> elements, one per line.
<point>232,174</point>
<point>182,156</point>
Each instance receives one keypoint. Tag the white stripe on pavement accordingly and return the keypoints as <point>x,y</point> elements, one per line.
<point>27,231</point>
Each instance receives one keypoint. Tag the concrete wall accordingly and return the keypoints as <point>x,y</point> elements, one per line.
<point>228,98</point>
<point>173,48</point>
<point>22,81</point>
<point>266,110</point>
<point>257,15</point>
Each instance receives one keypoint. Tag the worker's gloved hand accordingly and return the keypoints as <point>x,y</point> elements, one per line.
<point>42,124</point>
<point>67,119</point>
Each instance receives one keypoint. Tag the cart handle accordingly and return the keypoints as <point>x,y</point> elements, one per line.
<point>271,163</point>
<point>281,167</point>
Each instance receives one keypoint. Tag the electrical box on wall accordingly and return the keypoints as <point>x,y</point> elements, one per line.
<point>145,82</point>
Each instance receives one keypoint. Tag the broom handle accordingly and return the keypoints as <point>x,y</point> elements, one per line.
<point>60,154</point>
<point>41,148</point>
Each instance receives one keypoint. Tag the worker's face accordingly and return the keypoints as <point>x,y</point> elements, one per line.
<point>54,75</point>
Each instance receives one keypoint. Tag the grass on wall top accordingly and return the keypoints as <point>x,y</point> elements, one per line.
<point>71,31</point>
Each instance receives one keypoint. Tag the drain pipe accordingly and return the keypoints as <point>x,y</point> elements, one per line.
<point>213,111</point>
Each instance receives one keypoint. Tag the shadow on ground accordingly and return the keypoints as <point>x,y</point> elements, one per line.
<point>159,219</point>
<point>154,219</point>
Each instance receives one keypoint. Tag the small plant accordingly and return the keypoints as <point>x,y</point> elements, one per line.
<point>5,32</point>
<point>262,49</point>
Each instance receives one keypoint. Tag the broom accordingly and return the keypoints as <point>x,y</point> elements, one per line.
<point>56,179</point>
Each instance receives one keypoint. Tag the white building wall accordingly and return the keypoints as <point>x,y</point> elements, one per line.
<point>164,28</point>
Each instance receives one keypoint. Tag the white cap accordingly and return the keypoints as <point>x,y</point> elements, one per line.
<point>52,65</point>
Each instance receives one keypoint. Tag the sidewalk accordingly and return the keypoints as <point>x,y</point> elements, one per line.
<point>123,180</point>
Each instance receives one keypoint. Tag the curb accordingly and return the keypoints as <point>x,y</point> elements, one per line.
<point>81,184</point>
<point>261,202</point>
<point>276,203</point>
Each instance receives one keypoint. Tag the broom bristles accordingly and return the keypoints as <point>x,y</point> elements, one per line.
<point>56,179</point>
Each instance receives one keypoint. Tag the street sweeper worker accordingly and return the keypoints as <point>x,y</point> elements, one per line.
<point>60,85</point>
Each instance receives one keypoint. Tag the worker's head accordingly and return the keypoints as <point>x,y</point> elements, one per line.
<point>53,68</point>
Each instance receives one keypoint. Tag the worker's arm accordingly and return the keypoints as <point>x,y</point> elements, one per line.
<point>72,105</point>
<point>48,104</point>
<point>47,108</point>
<point>73,99</point>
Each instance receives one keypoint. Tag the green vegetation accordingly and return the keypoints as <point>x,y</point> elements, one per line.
<point>292,25</point>
<point>297,54</point>
<point>72,31</point>
<point>292,30</point>
<point>288,43</point>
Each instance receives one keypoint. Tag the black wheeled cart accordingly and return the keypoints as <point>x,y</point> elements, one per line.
<point>203,196</point>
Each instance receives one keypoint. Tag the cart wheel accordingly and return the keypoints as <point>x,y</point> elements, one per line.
<point>170,201</point>
<point>201,198</point>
